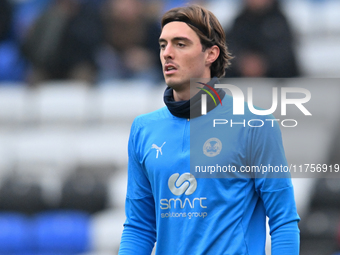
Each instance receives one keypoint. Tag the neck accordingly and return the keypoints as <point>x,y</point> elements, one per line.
<point>181,95</point>
<point>192,108</point>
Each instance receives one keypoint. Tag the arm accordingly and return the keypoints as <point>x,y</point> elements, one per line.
<point>139,234</point>
<point>139,228</point>
<point>283,220</point>
<point>286,239</point>
<point>276,191</point>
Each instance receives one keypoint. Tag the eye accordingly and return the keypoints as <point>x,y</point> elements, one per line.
<point>162,46</point>
<point>181,45</point>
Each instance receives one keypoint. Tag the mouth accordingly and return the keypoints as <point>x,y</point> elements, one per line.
<point>170,69</point>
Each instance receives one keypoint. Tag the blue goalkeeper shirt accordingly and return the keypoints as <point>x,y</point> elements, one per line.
<point>188,209</point>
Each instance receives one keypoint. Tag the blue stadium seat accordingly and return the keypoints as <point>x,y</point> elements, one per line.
<point>12,65</point>
<point>41,253</point>
<point>61,232</point>
<point>14,233</point>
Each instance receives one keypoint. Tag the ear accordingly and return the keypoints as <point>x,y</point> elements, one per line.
<point>212,54</point>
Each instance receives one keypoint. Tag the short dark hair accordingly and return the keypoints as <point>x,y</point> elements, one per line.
<point>208,29</point>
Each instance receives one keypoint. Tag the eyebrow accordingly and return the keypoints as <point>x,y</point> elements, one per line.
<point>179,38</point>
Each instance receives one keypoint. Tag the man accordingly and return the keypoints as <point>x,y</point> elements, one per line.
<point>263,41</point>
<point>165,203</point>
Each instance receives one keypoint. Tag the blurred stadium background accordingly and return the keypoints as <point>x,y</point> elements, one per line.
<point>63,142</point>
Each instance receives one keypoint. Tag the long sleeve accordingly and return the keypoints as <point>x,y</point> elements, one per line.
<point>286,239</point>
<point>276,191</point>
<point>283,219</point>
<point>139,234</point>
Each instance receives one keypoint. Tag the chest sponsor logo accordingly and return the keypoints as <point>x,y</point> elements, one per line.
<point>212,147</point>
<point>186,183</point>
<point>183,184</point>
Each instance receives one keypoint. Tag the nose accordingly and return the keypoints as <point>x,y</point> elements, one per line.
<point>168,52</point>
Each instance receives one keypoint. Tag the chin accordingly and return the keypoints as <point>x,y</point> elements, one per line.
<point>174,83</point>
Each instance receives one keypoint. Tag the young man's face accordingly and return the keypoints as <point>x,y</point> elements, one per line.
<point>181,55</point>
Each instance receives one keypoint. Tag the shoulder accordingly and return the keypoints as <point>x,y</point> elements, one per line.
<point>150,119</point>
<point>239,108</point>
